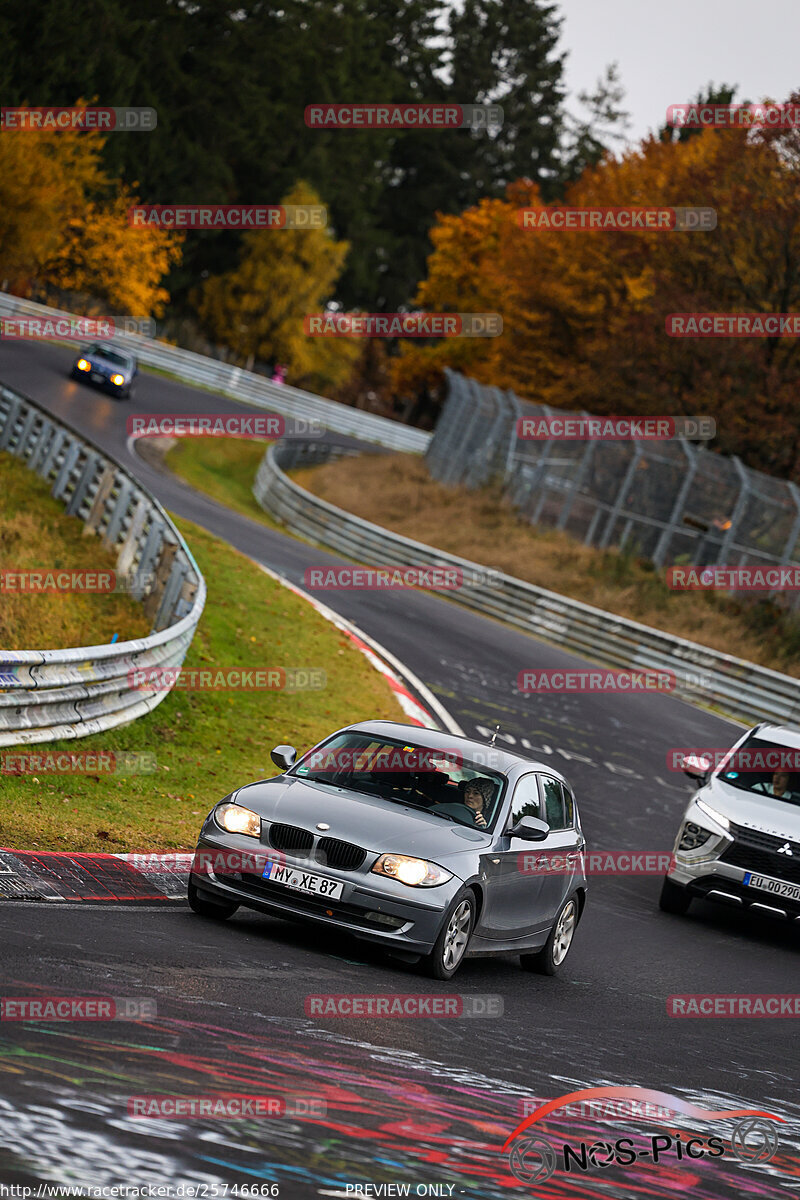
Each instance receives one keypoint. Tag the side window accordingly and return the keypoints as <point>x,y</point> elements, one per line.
<point>569,807</point>
<point>526,799</point>
<point>553,803</point>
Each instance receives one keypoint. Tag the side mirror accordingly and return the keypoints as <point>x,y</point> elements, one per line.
<point>531,829</point>
<point>696,768</point>
<point>284,757</point>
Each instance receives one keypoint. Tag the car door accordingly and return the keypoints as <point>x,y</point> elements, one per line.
<point>512,903</point>
<point>562,846</point>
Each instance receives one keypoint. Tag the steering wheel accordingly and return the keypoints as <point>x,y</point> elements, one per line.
<point>454,809</point>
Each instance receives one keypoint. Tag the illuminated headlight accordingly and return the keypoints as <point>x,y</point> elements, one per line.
<point>235,819</point>
<point>416,872</point>
<point>693,836</point>
<point>118,380</point>
<point>83,365</point>
<point>712,812</point>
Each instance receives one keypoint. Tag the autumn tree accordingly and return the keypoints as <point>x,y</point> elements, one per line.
<point>258,309</point>
<point>63,225</point>
<point>584,312</point>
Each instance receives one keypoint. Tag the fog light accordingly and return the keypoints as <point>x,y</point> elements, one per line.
<point>385,919</point>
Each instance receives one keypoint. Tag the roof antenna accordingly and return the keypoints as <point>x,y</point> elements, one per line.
<point>494,735</point>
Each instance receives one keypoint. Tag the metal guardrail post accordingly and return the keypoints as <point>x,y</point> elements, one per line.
<point>577,482</point>
<point>619,502</point>
<point>48,695</point>
<point>665,540</point>
<point>741,503</point>
<point>252,389</point>
<point>730,685</point>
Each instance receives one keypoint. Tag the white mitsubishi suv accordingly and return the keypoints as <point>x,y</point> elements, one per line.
<point>739,841</point>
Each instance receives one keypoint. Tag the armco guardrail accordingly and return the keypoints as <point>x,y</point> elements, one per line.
<point>732,686</point>
<point>244,385</point>
<point>50,694</point>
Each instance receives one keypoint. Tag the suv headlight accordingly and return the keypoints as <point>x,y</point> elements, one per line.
<point>693,836</point>
<point>233,818</point>
<point>416,872</point>
<point>719,817</point>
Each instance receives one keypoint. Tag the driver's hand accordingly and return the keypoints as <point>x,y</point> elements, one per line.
<point>480,819</point>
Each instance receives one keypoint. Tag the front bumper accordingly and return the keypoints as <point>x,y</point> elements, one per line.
<point>104,384</point>
<point>723,882</point>
<point>364,908</point>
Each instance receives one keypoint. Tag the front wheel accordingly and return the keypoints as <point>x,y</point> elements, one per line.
<point>220,910</point>
<point>674,898</point>
<point>550,958</point>
<point>451,944</point>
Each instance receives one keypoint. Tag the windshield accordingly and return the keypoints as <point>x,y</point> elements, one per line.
<point>440,781</point>
<point>111,356</point>
<point>765,769</point>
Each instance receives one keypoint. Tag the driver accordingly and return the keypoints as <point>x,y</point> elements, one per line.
<point>779,788</point>
<point>477,794</point>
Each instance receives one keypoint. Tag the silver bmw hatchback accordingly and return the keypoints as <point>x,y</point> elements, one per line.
<point>435,847</point>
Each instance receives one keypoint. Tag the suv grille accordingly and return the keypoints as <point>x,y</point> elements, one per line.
<point>290,838</point>
<point>756,851</point>
<point>342,855</point>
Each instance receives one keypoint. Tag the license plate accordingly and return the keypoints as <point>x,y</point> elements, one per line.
<point>97,377</point>
<point>776,886</point>
<point>303,881</point>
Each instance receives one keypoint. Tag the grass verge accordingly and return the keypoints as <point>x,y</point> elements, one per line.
<point>223,468</point>
<point>205,743</point>
<point>37,534</point>
<point>398,493</point>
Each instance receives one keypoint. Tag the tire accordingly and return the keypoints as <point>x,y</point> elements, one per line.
<point>451,945</point>
<point>550,959</point>
<point>674,898</point>
<point>218,910</point>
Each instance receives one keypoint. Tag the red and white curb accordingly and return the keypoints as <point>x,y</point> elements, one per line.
<point>396,673</point>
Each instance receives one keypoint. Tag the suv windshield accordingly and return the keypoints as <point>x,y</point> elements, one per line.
<point>765,769</point>
<point>442,782</point>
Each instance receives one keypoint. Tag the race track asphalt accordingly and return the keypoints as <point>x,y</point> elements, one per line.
<point>421,1101</point>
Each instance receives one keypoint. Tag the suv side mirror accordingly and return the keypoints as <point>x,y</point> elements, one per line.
<point>696,768</point>
<point>531,829</point>
<point>284,757</point>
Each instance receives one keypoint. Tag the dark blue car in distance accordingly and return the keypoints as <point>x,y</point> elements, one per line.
<point>107,367</point>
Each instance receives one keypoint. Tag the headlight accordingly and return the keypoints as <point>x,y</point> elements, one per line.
<point>712,812</point>
<point>693,836</point>
<point>118,380</point>
<point>235,819</point>
<point>416,872</point>
<point>83,365</point>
